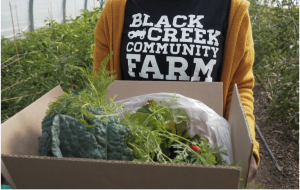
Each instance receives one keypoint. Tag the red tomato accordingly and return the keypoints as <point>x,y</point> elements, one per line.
<point>195,148</point>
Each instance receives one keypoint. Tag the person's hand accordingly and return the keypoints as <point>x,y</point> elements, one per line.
<point>252,170</point>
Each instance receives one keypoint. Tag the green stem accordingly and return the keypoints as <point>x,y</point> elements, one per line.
<point>85,105</point>
<point>19,97</point>
<point>153,114</point>
<point>167,157</point>
<point>177,136</point>
<point>99,116</point>
<point>135,147</point>
<point>151,160</point>
<point>199,156</point>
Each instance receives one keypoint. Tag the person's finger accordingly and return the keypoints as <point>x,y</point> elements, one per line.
<point>252,170</point>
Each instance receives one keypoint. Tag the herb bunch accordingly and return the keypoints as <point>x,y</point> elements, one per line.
<point>78,104</point>
<point>159,133</point>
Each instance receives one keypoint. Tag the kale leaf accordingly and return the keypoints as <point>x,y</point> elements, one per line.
<point>83,124</point>
<point>70,138</point>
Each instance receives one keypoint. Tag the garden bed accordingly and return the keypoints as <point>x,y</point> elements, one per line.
<point>283,146</point>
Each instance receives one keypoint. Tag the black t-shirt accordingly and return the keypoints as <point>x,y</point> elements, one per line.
<point>174,39</point>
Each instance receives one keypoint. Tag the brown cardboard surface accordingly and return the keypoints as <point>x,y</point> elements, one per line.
<point>22,132</point>
<point>242,142</point>
<point>64,173</point>
<point>19,134</point>
<point>210,93</point>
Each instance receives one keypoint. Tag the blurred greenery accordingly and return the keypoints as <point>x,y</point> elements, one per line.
<point>276,39</point>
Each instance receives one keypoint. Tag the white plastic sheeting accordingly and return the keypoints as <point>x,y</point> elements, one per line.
<point>20,11</point>
<point>73,7</point>
<point>93,3</point>
<point>203,120</point>
<point>41,9</point>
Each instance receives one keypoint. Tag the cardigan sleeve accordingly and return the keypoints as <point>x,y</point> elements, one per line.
<point>244,78</point>
<point>102,39</point>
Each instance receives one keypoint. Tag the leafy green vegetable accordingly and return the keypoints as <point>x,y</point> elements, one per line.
<point>76,104</point>
<point>83,123</point>
<point>174,119</point>
<point>107,140</point>
<point>159,133</point>
<point>145,119</point>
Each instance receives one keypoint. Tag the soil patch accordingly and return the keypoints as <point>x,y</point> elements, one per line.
<point>285,148</point>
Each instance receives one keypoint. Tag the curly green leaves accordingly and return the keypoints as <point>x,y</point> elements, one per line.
<point>70,138</point>
<point>156,116</point>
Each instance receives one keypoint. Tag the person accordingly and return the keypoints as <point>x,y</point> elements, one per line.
<point>182,40</point>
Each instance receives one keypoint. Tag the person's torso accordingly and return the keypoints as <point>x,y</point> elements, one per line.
<point>174,39</point>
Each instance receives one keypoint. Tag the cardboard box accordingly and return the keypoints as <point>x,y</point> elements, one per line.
<point>23,168</point>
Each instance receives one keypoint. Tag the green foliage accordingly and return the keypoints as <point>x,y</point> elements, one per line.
<point>83,124</point>
<point>276,39</point>
<point>153,139</point>
<point>92,96</point>
<point>43,64</point>
<point>67,137</point>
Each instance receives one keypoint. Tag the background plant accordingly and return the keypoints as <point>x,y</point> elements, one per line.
<point>46,61</point>
<point>276,39</point>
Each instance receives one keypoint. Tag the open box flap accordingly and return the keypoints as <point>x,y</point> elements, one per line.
<point>210,93</point>
<point>28,171</point>
<point>77,173</point>
<point>242,142</point>
<point>19,134</point>
<point>7,176</point>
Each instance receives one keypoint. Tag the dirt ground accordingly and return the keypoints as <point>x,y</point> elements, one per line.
<point>284,148</point>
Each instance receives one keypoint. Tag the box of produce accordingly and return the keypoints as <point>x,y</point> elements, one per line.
<point>99,137</point>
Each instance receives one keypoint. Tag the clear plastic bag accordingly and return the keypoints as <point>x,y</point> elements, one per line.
<point>203,120</point>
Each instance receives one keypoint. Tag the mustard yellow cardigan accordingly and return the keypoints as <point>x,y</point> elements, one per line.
<point>237,60</point>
